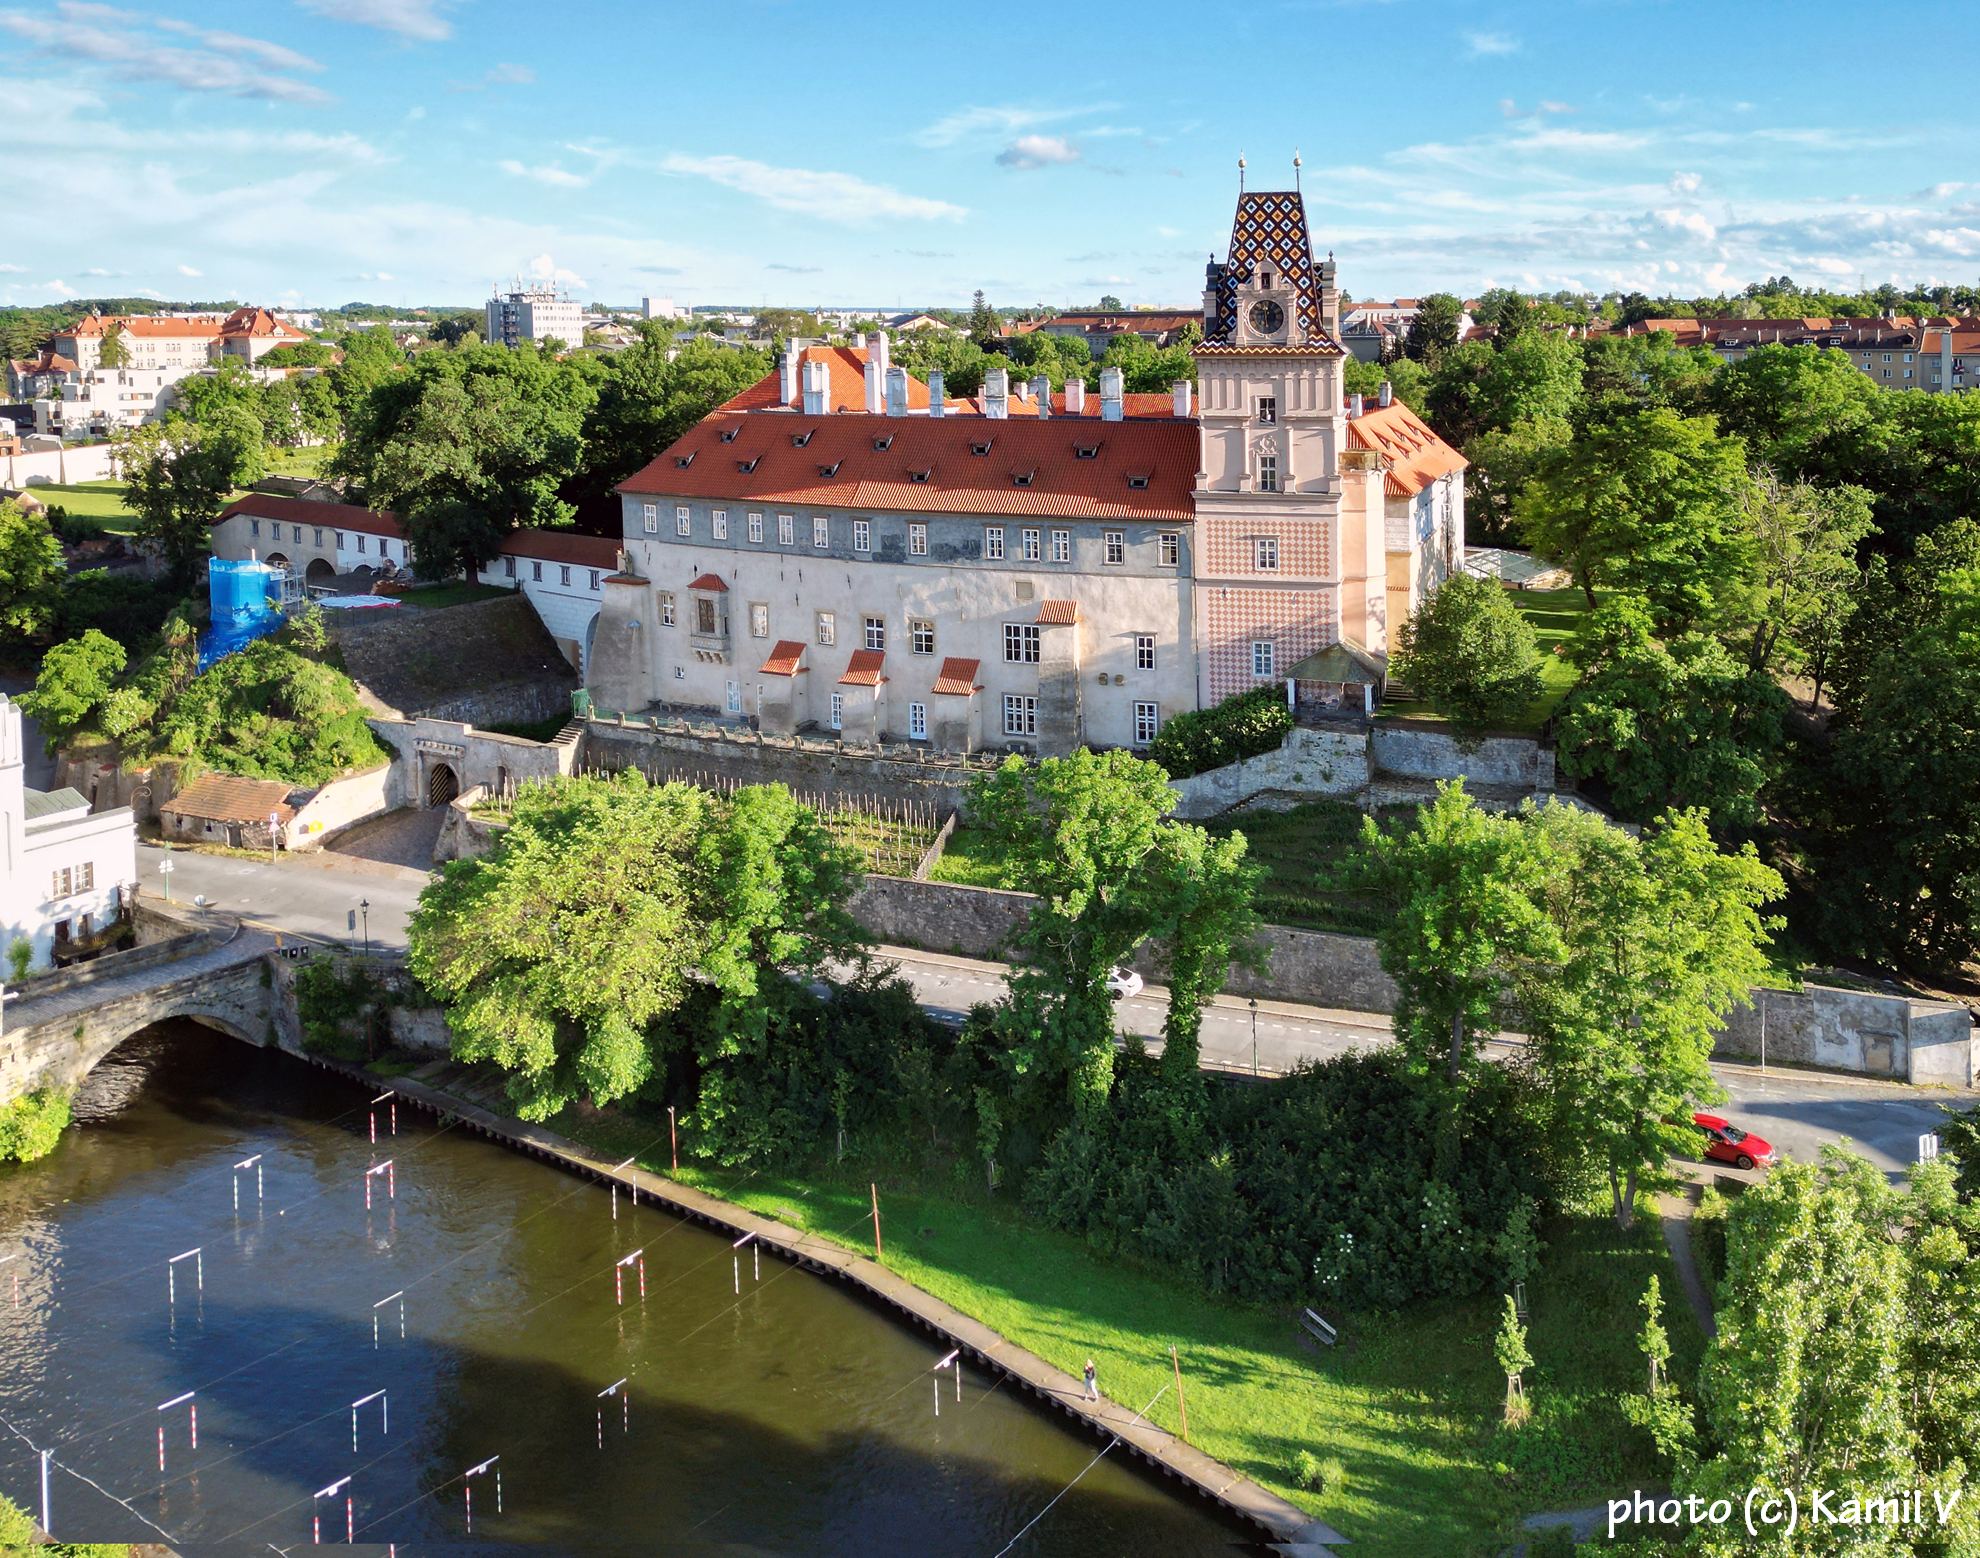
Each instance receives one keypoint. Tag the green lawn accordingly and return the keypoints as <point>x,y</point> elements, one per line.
<point>1295,847</point>
<point>98,500</point>
<point>1556,616</point>
<point>972,858</point>
<point>1409,1402</point>
<point>300,462</point>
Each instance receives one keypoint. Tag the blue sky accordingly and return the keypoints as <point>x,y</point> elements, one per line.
<point>413,151</point>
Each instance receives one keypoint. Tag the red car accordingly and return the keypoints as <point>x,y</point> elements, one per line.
<point>1729,1144</point>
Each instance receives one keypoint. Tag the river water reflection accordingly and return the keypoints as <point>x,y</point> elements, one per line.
<point>795,1420</point>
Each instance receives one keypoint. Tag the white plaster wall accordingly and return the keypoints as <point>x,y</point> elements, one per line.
<point>106,839</point>
<point>84,462</point>
<point>339,804</point>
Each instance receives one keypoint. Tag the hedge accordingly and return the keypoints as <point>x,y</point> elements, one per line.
<point>1246,725</point>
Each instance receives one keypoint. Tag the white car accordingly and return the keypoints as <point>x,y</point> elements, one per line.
<point>1122,983</point>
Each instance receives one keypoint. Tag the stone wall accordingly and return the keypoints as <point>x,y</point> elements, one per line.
<point>488,663</point>
<point>1403,751</point>
<point>482,758</point>
<point>811,768</point>
<point>1860,1031</point>
<point>971,922</point>
<point>1314,761</point>
<point>464,836</point>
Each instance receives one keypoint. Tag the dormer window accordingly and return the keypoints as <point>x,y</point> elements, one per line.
<point>729,434</point>
<point>1022,478</point>
<point>746,466</point>
<point>982,448</point>
<point>883,443</point>
<point>684,460</point>
<point>1086,451</point>
<point>920,475</point>
<point>830,470</point>
<point>1138,482</point>
<point>799,440</point>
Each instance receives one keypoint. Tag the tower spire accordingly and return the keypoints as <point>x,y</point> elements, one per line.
<point>1240,173</point>
<point>1296,168</point>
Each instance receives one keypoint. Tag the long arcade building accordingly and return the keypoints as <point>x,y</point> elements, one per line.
<point>845,547</point>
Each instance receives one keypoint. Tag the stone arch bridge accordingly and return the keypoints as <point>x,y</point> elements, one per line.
<point>59,1027</point>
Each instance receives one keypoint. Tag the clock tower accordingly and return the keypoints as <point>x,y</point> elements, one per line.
<point>1280,576</point>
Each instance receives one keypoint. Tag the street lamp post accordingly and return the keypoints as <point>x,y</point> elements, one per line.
<point>165,876</point>
<point>274,833</point>
<point>364,908</point>
<point>1254,1035</point>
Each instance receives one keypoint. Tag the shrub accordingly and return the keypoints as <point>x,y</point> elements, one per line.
<point>20,958</point>
<point>31,1125</point>
<point>1319,1476</point>
<point>1244,726</point>
<point>1470,653</point>
<point>1708,1236</point>
<point>336,999</point>
<point>1551,1542</point>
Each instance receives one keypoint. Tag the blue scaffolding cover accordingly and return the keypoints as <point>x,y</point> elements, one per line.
<point>244,600</point>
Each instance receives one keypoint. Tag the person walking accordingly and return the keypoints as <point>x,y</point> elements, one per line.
<point>1092,1382</point>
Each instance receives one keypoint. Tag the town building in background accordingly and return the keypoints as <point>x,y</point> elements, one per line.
<point>534,313</point>
<point>1936,355</point>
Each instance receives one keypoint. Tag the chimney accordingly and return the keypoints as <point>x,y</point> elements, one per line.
<point>1388,395</point>
<point>1041,387</point>
<point>935,406</point>
<point>859,340</point>
<point>897,392</point>
<point>997,393</point>
<point>879,348</point>
<point>1354,406</point>
<point>788,384</point>
<point>816,382</point>
<point>872,385</point>
<point>1075,396</point>
<point>1185,396</point>
<point>1022,389</point>
<point>1110,394</point>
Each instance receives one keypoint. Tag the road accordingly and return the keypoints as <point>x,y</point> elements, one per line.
<point>1799,1111</point>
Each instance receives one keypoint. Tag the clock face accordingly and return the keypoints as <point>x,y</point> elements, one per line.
<point>1267,317</point>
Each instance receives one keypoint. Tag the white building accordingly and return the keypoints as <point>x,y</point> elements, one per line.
<point>65,871</point>
<point>562,574</point>
<point>534,314</point>
<point>662,308</point>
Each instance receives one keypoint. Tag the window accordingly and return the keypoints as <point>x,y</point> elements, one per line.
<point>756,530</point>
<point>759,619</point>
<point>921,636</point>
<point>993,543</point>
<point>535,569</point>
<point>1268,473</point>
<point>917,539</point>
<point>786,530</point>
<point>821,531</point>
<point>254,527</point>
<point>384,547</point>
<point>1020,715</point>
<point>719,522</point>
<point>1021,643</point>
<point>862,536</point>
<point>705,622</point>
<point>508,567</point>
<point>1029,544</point>
<point>838,720</point>
<point>1062,546</point>
<point>593,584</point>
<point>666,608</point>
<point>828,628</point>
<point>917,722</point>
<point>361,539</point>
<point>1147,720</point>
<point>1268,409</point>
<point>563,573</point>
<point>876,632</point>
<point>1115,552</point>
<point>681,524</point>
<point>316,538</point>
<point>340,540</point>
<point>1144,651</point>
<point>1170,545</point>
<point>1262,657</point>
<point>1265,553</point>
<point>297,536</point>
<point>734,704</point>
<point>1887,358</point>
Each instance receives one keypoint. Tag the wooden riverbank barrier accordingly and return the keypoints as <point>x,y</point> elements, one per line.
<point>1283,1523</point>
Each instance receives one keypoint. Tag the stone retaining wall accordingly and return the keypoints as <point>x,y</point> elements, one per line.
<point>810,768</point>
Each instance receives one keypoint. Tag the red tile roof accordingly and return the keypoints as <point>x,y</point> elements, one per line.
<point>1058,613</point>
<point>761,465</point>
<point>845,384</point>
<point>785,658</point>
<point>958,677</point>
<point>301,511</point>
<point>561,546</point>
<point>1415,455</point>
<point>710,581</point>
<point>259,321</point>
<point>228,798</point>
<point>863,670</point>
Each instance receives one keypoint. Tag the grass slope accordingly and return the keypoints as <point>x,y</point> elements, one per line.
<point>1409,1403</point>
<point>1556,616</point>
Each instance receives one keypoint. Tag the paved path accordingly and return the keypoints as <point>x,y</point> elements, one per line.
<point>1675,1213</point>
<point>58,998</point>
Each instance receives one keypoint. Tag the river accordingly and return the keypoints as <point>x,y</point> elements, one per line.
<point>794,1419</point>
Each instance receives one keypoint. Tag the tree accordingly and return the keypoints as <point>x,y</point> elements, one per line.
<point>1807,412</point>
<point>1435,328</point>
<point>1459,887</point>
<point>76,678</point>
<point>1407,381</point>
<point>1471,653</point>
<point>1657,939</point>
<point>1680,724</point>
<point>299,354</point>
<point>1109,301</point>
<point>32,574</point>
<point>114,351</point>
<point>1652,505</point>
<point>176,484</point>
<point>1806,541</point>
<point>1510,1353</point>
<point>1654,1341</point>
<point>984,325</point>
<point>1624,374</point>
<point>1204,886</point>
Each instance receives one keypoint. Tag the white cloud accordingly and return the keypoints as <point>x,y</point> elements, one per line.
<point>498,76</point>
<point>1685,183</point>
<point>831,197</point>
<point>12,270</point>
<point>987,122</point>
<point>102,35</point>
<point>1686,222</point>
<point>1038,151</point>
<point>543,268</point>
<point>1490,43</point>
<point>187,270</point>
<point>547,173</point>
<point>417,19</point>
<point>274,55</point>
